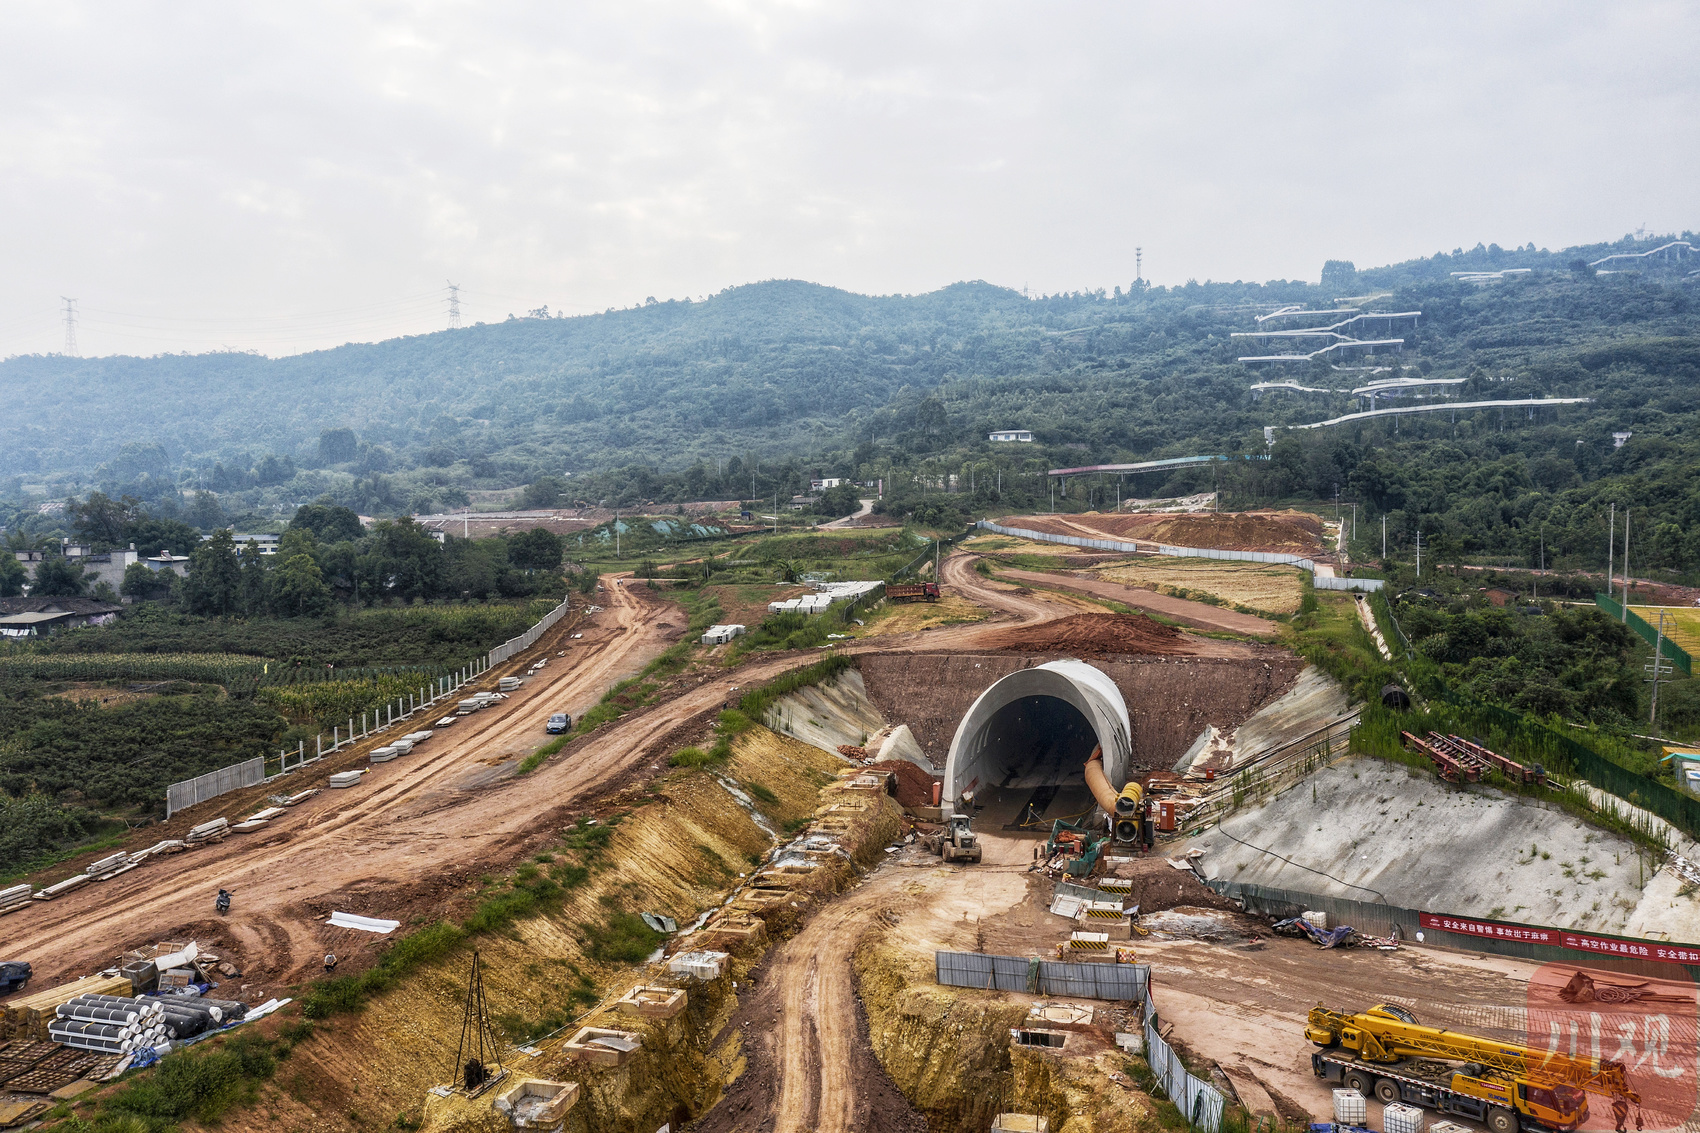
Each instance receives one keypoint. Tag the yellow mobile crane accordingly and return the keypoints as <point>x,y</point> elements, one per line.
<point>1507,1086</point>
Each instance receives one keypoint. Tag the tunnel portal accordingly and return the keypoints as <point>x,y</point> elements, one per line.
<point>1023,744</point>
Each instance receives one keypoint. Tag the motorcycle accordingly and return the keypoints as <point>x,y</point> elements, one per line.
<point>223,902</point>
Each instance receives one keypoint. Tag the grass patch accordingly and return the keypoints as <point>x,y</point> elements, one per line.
<point>762,793</point>
<point>530,891</point>
<point>788,630</point>
<point>622,938</point>
<point>201,1083</point>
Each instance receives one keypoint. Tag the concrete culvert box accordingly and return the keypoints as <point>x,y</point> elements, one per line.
<point>1020,1123</point>
<point>1029,735</point>
<point>537,1104</point>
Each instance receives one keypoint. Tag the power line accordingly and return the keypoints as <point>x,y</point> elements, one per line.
<point>70,326</point>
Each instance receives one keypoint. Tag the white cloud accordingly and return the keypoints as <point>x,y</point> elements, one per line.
<point>285,178</point>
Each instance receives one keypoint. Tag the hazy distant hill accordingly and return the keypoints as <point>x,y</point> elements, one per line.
<point>781,369</point>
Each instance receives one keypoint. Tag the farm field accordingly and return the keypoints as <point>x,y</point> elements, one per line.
<point>1258,586</point>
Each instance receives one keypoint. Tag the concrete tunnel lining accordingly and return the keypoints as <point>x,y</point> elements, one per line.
<point>982,753</point>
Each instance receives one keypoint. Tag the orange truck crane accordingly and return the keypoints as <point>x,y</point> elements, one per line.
<point>1509,1087</point>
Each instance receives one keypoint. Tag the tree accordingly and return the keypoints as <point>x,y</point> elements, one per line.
<point>12,575</point>
<point>298,588</point>
<point>338,446</point>
<point>142,582</point>
<point>839,501</point>
<point>329,522</point>
<point>151,536</point>
<point>59,578</point>
<point>410,562</point>
<point>103,521</point>
<point>205,513</point>
<point>545,491</point>
<point>215,577</point>
<point>537,549</point>
<point>256,583</point>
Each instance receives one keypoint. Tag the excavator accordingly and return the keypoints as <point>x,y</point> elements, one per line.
<point>1506,1086</point>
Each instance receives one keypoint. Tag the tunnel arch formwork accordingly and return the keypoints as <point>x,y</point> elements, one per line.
<point>1037,726</point>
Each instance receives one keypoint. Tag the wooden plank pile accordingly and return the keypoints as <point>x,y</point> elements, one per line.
<point>28,1016</point>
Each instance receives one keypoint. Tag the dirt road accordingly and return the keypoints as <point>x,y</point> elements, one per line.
<point>419,821</point>
<point>1199,614</point>
<point>419,829</point>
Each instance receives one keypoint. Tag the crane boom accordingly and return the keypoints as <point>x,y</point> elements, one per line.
<point>1387,1034</point>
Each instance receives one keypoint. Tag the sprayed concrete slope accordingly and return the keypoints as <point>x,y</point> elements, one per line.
<point>1387,831</point>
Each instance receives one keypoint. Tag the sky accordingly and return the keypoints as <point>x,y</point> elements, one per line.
<point>287,177</point>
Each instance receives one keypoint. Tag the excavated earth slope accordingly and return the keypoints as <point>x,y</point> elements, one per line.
<point>1169,699</point>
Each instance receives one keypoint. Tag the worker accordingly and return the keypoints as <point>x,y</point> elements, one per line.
<point>330,961</point>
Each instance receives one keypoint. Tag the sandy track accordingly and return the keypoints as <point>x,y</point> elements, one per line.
<point>1199,614</point>
<point>432,813</point>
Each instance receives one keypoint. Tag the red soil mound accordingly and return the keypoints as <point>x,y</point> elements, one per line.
<point>1089,634</point>
<point>914,786</point>
<point>1290,532</point>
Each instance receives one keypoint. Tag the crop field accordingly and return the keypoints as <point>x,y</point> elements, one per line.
<point>1258,586</point>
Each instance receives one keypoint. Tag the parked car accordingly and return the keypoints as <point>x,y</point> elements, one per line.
<point>558,723</point>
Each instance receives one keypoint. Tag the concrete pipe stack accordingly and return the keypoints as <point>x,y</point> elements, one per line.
<point>108,1024</point>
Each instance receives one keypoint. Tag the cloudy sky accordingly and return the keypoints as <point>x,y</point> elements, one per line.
<point>284,177</point>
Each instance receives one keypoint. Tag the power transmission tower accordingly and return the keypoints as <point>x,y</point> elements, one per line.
<point>454,306</point>
<point>70,326</point>
<point>1138,264</point>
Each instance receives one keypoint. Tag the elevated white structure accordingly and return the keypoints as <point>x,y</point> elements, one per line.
<point>1036,727</point>
<point>1530,403</point>
<point>1675,250</point>
<point>1483,278</point>
<point>1297,311</point>
<point>1387,322</point>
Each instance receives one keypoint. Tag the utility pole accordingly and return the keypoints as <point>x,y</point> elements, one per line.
<point>1354,521</point>
<point>1419,554</point>
<point>1384,538</point>
<point>1625,618</point>
<point>454,305</point>
<point>616,533</point>
<point>1611,548</point>
<point>1658,669</point>
<point>70,327</point>
<point>1336,503</point>
<point>1543,566</point>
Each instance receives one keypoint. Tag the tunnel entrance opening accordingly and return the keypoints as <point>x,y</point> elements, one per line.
<point>1041,743</point>
<point>1020,752</point>
<point>1019,756</point>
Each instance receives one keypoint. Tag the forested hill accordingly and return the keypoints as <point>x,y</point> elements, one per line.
<point>797,374</point>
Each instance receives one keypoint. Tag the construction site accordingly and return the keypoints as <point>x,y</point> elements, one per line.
<point>1079,848</point>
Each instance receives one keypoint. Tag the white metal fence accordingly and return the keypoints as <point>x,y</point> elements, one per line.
<point>181,796</point>
<point>1188,553</point>
<point>1199,1102</point>
<point>529,638</point>
<point>1042,977</point>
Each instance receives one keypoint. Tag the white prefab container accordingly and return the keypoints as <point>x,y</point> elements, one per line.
<point>1402,1119</point>
<point>508,684</point>
<point>1350,1107</point>
<point>702,965</point>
